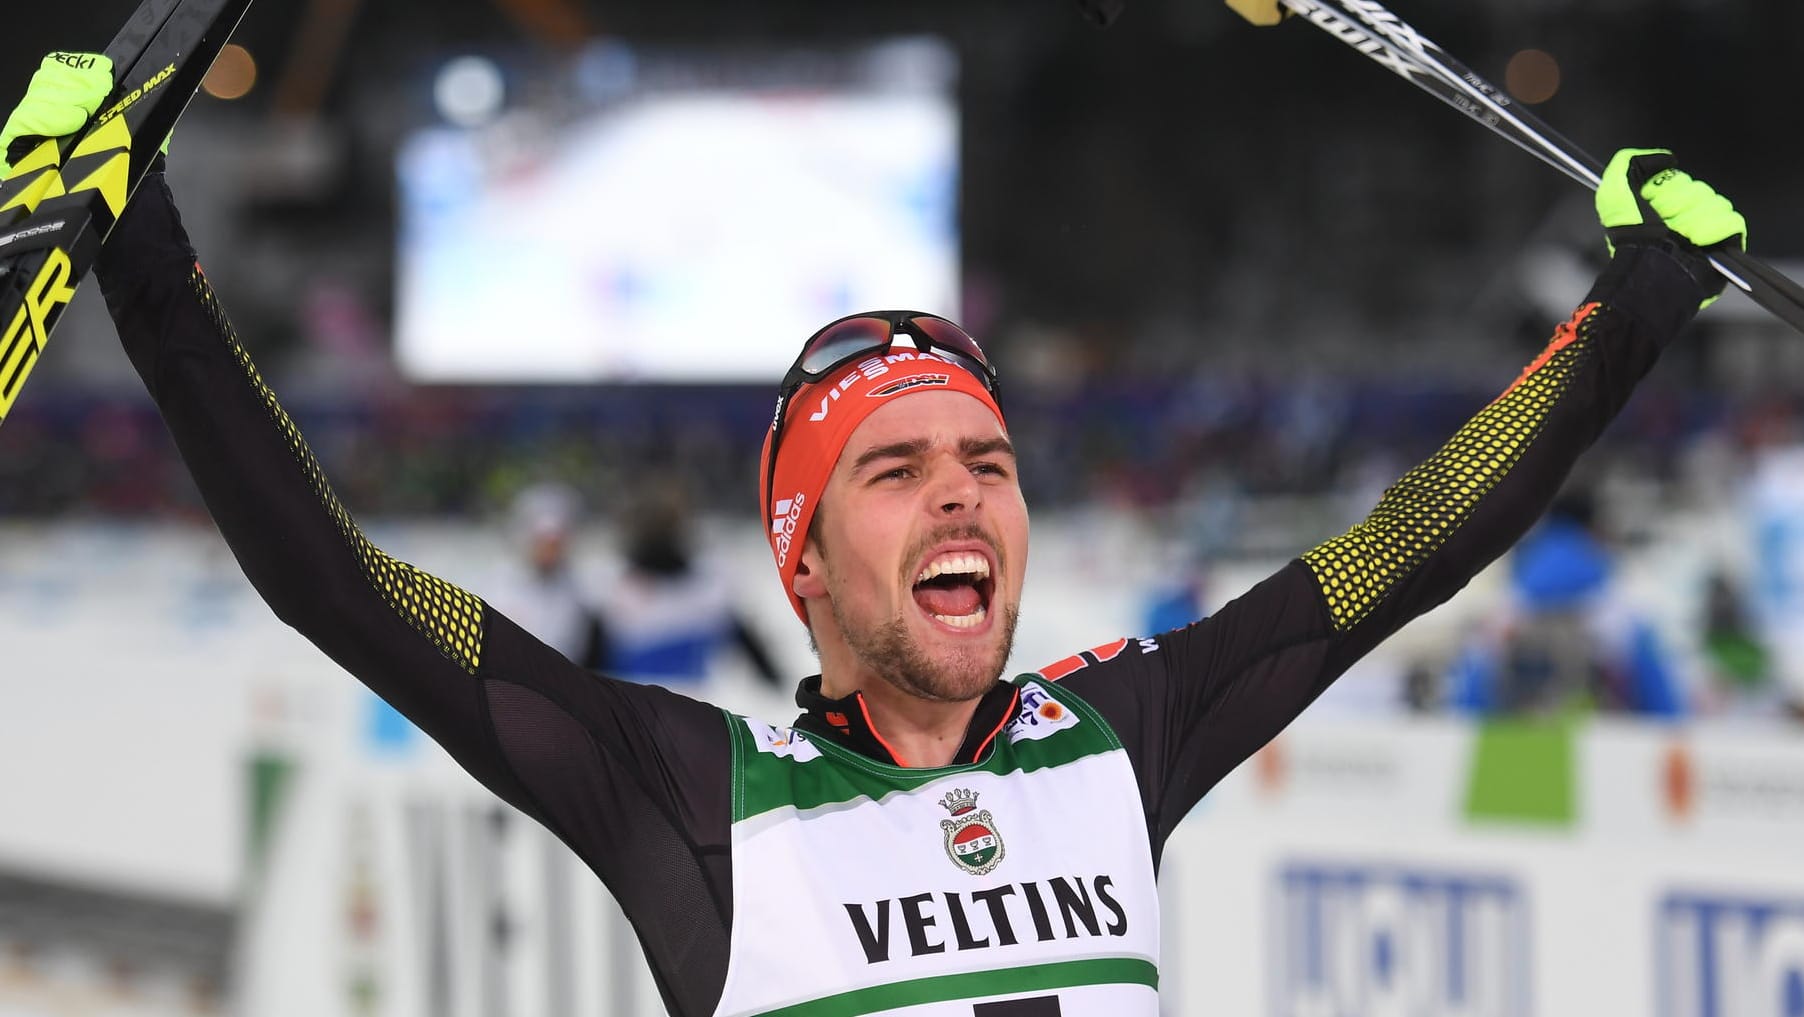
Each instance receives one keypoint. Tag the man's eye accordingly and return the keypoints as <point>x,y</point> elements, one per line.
<point>993,469</point>
<point>898,473</point>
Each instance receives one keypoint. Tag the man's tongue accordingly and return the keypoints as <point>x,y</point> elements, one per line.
<point>952,600</point>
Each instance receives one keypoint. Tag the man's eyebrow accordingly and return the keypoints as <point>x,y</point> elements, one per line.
<point>894,450</point>
<point>971,448</point>
<point>968,448</point>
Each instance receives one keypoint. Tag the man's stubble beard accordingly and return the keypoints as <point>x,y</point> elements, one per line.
<point>896,657</point>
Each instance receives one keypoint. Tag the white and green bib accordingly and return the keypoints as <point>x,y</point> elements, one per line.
<point>1021,886</point>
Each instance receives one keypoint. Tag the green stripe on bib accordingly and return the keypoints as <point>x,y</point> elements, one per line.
<point>977,985</point>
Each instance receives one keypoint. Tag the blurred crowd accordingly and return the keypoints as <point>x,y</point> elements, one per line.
<point>463,453</point>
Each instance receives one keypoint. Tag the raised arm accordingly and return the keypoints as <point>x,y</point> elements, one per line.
<point>415,639</point>
<point>1197,701</point>
<point>634,778</point>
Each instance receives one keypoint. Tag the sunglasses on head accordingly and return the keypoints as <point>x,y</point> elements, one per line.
<point>867,334</point>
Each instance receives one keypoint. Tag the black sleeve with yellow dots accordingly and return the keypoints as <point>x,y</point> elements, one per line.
<point>1448,518</point>
<point>634,778</point>
<point>1192,704</point>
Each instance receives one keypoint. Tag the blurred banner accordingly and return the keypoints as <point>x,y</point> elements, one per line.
<point>1368,869</point>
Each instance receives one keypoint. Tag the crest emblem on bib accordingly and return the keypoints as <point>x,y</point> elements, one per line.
<point>971,838</point>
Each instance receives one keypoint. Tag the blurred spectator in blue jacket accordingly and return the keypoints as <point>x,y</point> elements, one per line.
<point>1569,638</point>
<point>671,610</point>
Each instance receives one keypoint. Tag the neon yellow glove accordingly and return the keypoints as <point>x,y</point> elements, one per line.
<point>65,92</point>
<point>1644,198</point>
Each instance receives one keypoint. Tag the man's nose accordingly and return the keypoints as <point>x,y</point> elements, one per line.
<point>951,487</point>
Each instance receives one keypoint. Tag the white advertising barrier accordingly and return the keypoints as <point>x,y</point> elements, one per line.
<point>407,889</point>
<point>1341,874</point>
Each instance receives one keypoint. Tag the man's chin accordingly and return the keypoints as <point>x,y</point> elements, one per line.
<point>955,683</point>
<point>918,658</point>
<point>957,668</point>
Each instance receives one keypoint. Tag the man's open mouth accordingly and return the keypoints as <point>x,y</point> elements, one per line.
<point>954,588</point>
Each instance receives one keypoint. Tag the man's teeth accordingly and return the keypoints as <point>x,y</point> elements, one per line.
<point>964,563</point>
<point>963,621</point>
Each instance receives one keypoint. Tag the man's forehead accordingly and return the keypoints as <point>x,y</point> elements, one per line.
<point>932,418</point>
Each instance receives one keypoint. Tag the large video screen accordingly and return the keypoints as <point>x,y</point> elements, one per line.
<point>693,224</point>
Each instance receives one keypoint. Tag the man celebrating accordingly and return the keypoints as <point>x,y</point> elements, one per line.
<point>929,837</point>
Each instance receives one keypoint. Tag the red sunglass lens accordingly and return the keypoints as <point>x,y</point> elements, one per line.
<point>949,337</point>
<point>844,339</point>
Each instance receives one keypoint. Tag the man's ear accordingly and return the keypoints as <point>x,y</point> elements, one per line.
<point>811,576</point>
